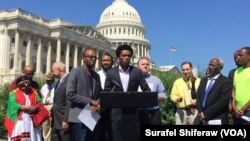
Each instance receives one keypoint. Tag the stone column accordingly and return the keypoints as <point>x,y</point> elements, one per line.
<point>48,63</point>
<point>148,53</point>
<point>83,48</point>
<point>28,50</point>
<point>58,50</point>
<point>141,50</point>
<point>140,54</point>
<point>16,50</point>
<point>67,57</point>
<point>97,61</point>
<point>5,50</point>
<point>138,51</point>
<point>39,57</point>
<point>75,56</point>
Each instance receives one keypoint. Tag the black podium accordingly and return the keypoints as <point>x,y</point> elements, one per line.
<point>128,102</point>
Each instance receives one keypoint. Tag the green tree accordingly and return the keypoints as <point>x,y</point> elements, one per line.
<point>40,81</point>
<point>167,107</point>
<point>4,95</point>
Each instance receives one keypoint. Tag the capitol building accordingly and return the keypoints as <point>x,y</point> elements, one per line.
<point>29,39</point>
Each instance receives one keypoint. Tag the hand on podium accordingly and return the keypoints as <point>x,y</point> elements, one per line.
<point>160,98</point>
<point>95,106</point>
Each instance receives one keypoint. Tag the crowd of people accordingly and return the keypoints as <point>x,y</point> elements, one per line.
<point>199,101</point>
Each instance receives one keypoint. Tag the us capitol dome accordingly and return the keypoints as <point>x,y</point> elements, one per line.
<point>121,23</point>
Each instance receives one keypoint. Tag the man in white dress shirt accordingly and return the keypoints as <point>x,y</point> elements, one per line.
<point>106,63</point>
<point>105,124</point>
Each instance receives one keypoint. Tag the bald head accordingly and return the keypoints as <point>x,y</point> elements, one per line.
<point>28,71</point>
<point>59,65</point>
<point>58,69</point>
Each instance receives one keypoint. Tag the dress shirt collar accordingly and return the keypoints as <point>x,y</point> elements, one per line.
<point>62,78</point>
<point>215,77</point>
<point>103,71</point>
<point>146,75</point>
<point>127,71</point>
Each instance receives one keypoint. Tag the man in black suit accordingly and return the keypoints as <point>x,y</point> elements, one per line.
<point>213,95</point>
<point>61,105</point>
<point>123,78</point>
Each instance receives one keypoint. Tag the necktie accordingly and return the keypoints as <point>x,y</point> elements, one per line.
<point>57,84</point>
<point>207,92</point>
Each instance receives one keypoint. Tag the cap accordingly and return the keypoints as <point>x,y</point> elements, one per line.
<point>49,76</point>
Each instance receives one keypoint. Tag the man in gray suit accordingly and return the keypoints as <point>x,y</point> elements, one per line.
<point>61,105</point>
<point>83,88</point>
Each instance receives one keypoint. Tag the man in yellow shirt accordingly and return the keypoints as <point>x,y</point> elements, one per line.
<point>241,89</point>
<point>183,95</point>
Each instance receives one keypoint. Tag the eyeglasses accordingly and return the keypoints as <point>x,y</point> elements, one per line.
<point>91,57</point>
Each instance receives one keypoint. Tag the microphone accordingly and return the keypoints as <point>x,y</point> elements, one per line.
<point>116,85</point>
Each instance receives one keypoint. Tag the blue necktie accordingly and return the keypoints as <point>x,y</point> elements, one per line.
<point>207,91</point>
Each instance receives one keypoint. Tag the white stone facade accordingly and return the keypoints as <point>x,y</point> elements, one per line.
<point>28,39</point>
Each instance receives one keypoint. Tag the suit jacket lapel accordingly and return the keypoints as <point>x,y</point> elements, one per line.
<point>130,82</point>
<point>217,81</point>
<point>61,84</point>
<point>57,88</point>
<point>117,77</point>
<point>93,89</point>
<point>204,86</point>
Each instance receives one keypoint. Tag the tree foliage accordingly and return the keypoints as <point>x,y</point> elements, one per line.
<point>4,95</point>
<point>167,107</point>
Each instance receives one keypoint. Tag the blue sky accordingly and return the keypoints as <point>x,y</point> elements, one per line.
<point>199,29</point>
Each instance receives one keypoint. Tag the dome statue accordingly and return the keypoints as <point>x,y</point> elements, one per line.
<point>121,24</point>
<point>121,11</point>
